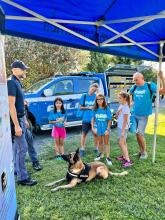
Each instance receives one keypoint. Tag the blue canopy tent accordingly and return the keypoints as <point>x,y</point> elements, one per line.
<point>129,28</point>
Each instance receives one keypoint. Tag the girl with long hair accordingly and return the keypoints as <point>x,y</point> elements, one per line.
<point>58,118</point>
<point>101,122</point>
<point>123,114</point>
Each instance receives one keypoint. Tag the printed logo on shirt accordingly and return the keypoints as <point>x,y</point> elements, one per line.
<point>140,93</point>
<point>89,103</point>
<point>101,116</point>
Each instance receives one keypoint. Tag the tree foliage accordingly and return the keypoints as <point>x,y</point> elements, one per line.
<point>99,62</point>
<point>44,60</point>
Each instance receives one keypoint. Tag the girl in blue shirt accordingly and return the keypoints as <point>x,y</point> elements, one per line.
<point>101,122</point>
<point>57,117</point>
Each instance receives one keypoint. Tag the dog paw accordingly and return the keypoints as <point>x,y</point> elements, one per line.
<point>55,189</point>
<point>48,184</point>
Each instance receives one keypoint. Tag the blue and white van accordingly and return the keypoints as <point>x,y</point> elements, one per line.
<point>41,95</point>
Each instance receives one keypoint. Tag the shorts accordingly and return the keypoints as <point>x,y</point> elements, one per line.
<point>141,123</point>
<point>120,131</point>
<point>86,127</point>
<point>58,132</point>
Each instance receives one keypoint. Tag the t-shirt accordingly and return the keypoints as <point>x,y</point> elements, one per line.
<point>101,117</point>
<point>142,99</point>
<point>15,89</point>
<point>123,110</point>
<point>89,101</point>
<point>54,116</point>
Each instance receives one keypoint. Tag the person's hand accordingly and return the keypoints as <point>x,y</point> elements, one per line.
<point>106,132</point>
<point>161,74</point>
<point>59,119</point>
<point>94,130</point>
<point>18,131</point>
<point>27,124</point>
<point>122,134</point>
<point>90,107</point>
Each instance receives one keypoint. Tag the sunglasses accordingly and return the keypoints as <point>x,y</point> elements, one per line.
<point>101,99</point>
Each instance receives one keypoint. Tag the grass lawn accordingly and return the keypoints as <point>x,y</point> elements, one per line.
<point>140,195</point>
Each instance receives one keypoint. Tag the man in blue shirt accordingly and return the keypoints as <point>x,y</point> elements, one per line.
<point>86,104</point>
<point>18,128</point>
<point>142,108</point>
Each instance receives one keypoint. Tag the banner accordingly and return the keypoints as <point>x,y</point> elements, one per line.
<point>8,205</point>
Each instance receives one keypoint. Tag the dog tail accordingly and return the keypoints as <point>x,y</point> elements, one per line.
<point>118,174</point>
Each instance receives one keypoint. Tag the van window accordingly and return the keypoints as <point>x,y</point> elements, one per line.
<point>63,87</point>
<point>84,84</point>
<point>38,85</point>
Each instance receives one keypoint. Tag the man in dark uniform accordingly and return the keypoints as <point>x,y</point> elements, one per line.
<point>18,128</point>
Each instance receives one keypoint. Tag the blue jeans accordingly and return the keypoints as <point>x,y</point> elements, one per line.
<point>31,150</point>
<point>19,153</point>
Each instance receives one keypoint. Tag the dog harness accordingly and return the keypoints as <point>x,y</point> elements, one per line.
<point>83,175</point>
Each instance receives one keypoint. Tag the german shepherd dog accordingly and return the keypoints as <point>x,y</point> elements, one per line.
<point>82,172</point>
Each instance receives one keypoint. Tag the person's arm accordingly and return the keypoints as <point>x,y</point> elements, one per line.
<point>125,121</point>
<point>162,89</point>
<point>53,122</point>
<point>13,114</point>
<point>92,126</point>
<point>85,107</point>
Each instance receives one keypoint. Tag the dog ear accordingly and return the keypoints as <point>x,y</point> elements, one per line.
<point>76,156</point>
<point>77,151</point>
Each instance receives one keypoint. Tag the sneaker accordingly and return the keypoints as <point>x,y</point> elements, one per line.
<point>27,182</point>
<point>138,154</point>
<point>58,157</point>
<point>143,156</point>
<point>127,163</point>
<point>82,152</point>
<point>109,161</point>
<point>120,158</point>
<point>37,166</point>
<point>99,157</point>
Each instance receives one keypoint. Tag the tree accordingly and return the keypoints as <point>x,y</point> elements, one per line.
<point>99,62</point>
<point>45,60</point>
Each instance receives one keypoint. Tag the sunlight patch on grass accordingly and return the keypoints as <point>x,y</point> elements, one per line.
<point>161,124</point>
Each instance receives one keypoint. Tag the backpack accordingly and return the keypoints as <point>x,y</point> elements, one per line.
<point>152,95</point>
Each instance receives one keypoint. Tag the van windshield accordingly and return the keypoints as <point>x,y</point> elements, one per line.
<point>38,85</point>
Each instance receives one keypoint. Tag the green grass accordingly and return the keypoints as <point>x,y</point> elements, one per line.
<point>140,195</point>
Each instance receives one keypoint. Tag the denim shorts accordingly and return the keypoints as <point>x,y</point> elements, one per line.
<point>141,123</point>
<point>120,131</point>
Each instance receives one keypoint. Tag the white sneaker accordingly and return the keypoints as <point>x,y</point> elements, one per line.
<point>143,156</point>
<point>99,157</point>
<point>109,161</point>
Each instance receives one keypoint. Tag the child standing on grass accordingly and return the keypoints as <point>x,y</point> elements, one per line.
<point>123,114</point>
<point>57,117</point>
<point>101,122</point>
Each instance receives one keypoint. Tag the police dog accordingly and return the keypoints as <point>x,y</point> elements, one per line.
<point>82,172</point>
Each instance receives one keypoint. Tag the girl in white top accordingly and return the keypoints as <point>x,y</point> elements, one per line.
<point>123,114</point>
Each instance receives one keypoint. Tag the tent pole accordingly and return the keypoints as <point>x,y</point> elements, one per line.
<point>157,102</point>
